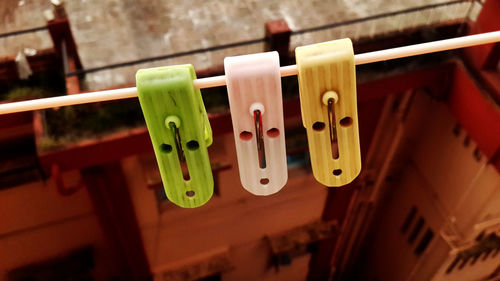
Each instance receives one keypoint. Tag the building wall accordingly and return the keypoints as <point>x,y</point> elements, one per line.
<point>235,219</point>
<point>445,195</point>
<point>38,224</point>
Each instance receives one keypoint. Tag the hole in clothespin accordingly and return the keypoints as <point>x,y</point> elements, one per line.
<point>167,148</point>
<point>260,138</point>
<point>346,121</point>
<point>192,145</point>
<point>185,171</point>
<point>318,126</point>
<point>273,132</point>
<point>245,135</point>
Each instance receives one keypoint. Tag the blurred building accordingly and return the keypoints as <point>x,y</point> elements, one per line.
<point>80,192</point>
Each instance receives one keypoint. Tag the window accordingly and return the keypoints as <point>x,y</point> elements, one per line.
<point>416,230</point>
<point>409,219</point>
<point>424,242</point>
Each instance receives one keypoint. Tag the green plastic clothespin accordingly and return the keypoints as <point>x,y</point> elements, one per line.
<point>179,128</point>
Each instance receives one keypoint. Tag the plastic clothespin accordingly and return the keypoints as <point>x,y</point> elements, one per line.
<point>179,130</point>
<point>255,100</point>
<point>327,83</point>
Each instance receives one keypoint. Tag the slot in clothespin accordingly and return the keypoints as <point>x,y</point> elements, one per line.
<point>179,130</point>
<point>327,84</point>
<point>255,100</point>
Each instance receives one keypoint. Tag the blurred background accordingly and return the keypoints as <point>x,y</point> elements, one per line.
<point>80,192</point>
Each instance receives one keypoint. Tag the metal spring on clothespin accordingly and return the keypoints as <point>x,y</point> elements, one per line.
<point>260,138</point>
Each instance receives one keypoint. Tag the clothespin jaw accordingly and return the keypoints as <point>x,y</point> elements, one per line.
<point>179,129</point>
<point>327,84</point>
<point>255,99</point>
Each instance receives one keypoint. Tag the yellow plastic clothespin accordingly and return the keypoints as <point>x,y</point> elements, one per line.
<point>327,83</point>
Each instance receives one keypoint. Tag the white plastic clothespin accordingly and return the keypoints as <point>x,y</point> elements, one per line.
<point>255,100</point>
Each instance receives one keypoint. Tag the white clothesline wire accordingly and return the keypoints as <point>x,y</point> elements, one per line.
<point>388,54</point>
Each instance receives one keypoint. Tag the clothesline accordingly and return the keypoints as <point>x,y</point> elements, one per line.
<point>290,70</point>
